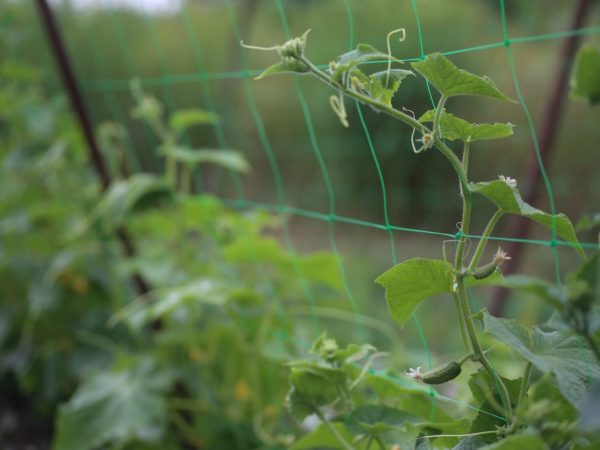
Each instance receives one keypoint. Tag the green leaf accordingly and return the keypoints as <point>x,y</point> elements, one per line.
<point>586,75</point>
<point>313,386</point>
<point>161,302</point>
<point>287,66</point>
<point>550,293</point>
<point>114,407</point>
<point>588,222</point>
<point>409,283</point>
<point>376,419</point>
<point>137,193</point>
<point>454,128</point>
<point>328,350</point>
<point>410,399</point>
<point>553,406</point>
<point>487,419</point>
<point>481,383</point>
<point>361,54</point>
<point>228,159</point>
<point>590,411</point>
<point>451,81</point>
<point>455,427</point>
<point>562,354</point>
<point>509,200</point>
<point>323,438</point>
<point>521,442</point>
<point>185,118</point>
<point>383,88</point>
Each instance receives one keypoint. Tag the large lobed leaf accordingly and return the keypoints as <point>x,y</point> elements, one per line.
<point>452,81</point>
<point>412,281</point>
<point>454,128</point>
<point>562,354</point>
<point>114,407</point>
<point>508,199</point>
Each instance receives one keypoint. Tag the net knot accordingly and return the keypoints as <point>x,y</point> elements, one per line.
<point>553,243</point>
<point>507,42</point>
<point>458,235</point>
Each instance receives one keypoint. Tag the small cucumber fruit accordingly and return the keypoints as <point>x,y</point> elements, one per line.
<point>442,374</point>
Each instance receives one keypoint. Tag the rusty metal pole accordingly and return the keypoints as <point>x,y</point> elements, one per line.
<point>96,158</point>
<point>521,226</point>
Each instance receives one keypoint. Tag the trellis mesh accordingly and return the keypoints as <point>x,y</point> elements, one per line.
<point>305,172</point>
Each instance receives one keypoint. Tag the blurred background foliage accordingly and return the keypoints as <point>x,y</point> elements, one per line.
<point>188,54</point>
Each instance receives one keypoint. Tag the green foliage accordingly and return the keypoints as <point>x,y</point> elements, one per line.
<point>508,199</point>
<point>454,128</point>
<point>562,354</point>
<point>410,282</point>
<point>116,407</point>
<point>586,74</point>
<point>185,118</point>
<point>451,81</point>
<point>506,417</point>
<point>228,159</point>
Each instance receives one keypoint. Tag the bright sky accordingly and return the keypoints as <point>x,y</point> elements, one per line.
<point>146,5</point>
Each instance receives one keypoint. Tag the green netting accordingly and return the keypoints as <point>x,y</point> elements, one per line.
<point>102,85</point>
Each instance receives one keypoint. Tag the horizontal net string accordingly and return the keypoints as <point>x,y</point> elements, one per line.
<point>155,81</point>
<point>325,217</point>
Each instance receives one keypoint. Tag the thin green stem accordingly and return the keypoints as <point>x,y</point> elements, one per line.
<point>380,442</point>
<point>438,115</point>
<point>439,144</point>
<point>370,442</point>
<point>463,329</point>
<point>525,383</point>
<point>333,430</point>
<point>479,355</point>
<point>484,239</point>
<point>465,156</point>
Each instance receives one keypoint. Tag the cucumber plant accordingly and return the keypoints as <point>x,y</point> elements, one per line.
<point>560,357</point>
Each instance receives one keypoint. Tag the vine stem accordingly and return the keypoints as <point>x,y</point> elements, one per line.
<point>479,354</point>
<point>439,144</point>
<point>463,329</point>
<point>459,168</point>
<point>484,239</point>
<point>522,393</point>
<point>333,430</point>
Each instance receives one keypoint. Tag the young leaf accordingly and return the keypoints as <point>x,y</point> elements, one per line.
<point>410,282</point>
<point>562,354</point>
<point>586,75</point>
<point>452,81</point>
<point>229,159</point>
<point>454,128</point>
<point>185,118</point>
<point>361,54</point>
<point>286,66</point>
<point>113,407</point>
<point>509,200</point>
<point>383,88</point>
